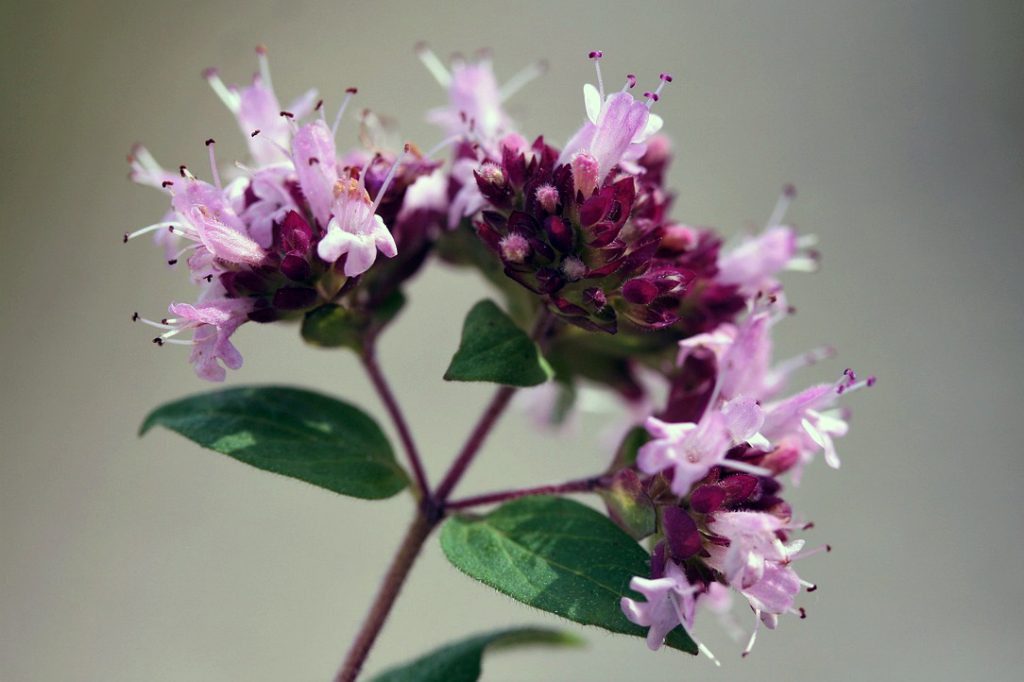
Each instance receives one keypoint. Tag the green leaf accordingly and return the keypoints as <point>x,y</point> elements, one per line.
<point>494,349</point>
<point>556,555</point>
<point>292,432</point>
<point>331,326</point>
<point>461,661</point>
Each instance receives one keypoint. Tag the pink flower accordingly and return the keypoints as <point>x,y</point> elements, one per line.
<point>617,125</point>
<point>316,166</point>
<point>753,541</point>
<point>475,101</point>
<point>269,202</point>
<point>690,450</point>
<point>212,320</point>
<point>808,422</point>
<point>356,231</point>
<point>670,601</point>
<point>259,113</point>
<point>208,218</point>
<point>754,263</point>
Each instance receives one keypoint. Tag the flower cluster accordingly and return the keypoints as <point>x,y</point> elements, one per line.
<point>297,229</point>
<point>582,234</point>
<point>713,476</point>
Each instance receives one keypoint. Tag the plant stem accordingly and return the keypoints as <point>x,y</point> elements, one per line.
<point>417,534</point>
<point>494,410</point>
<point>431,508</point>
<point>582,485</point>
<point>476,439</point>
<point>369,358</point>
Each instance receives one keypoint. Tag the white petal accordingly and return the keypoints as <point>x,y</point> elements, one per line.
<point>592,100</point>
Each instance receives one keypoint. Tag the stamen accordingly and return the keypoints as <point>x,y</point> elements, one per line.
<point>674,599</point>
<point>349,92</point>
<point>753,635</point>
<point>447,142</point>
<point>653,97</point>
<point>521,79</point>
<point>261,55</point>
<point>595,56</point>
<point>145,159</point>
<point>388,178</point>
<point>848,382</point>
<point>172,227</point>
<point>163,324</point>
<point>211,144</point>
<point>807,359</point>
<point>361,174</point>
<point>231,99</point>
<point>810,587</point>
<point>434,65</point>
<point>177,342</point>
<point>177,256</point>
<point>809,553</point>
<point>746,467</point>
<point>782,205</point>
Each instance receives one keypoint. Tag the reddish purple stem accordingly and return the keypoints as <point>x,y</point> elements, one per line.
<point>369,358</point>
<point>581,485</point>
<point>431,508</point>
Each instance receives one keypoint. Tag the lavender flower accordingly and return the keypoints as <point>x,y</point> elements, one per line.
<point>290,233</point>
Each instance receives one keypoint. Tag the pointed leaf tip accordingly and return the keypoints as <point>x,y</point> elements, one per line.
<point>292,432</point>
<point>493,348</point>
<point>556,555</point>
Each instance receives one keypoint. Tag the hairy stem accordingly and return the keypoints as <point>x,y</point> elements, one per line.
<point>582,485</point>
<point>369,358</point>
<point>494,410</point>
<point>431,508</point>
<point>417,534</point>
<point>476,439</point>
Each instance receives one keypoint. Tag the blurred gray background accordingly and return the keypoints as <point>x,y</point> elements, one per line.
<point>900,124</point>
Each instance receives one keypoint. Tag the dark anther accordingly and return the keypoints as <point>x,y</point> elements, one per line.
<point>812,588</point>
<point>319,105</point>
<point>167,183</point>
<point>125,238</point>
<point>158,341</point>
<point>803,612</point>
<point>182,169</point>
<point>254,133</point>
<point>351,91</point>
<point>287,114</point>
<point>135,317</point>
<point>209,278</point>
<point>313,160</point>
<point>209,142</point>
<point>172,261</point>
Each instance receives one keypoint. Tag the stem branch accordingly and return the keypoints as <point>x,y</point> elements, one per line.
<point>582,485</point>
<point>476,439</point>
<point>369,358</point>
